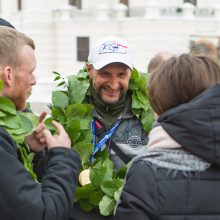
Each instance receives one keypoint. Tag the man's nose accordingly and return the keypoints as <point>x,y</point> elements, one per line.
<point>114,83</point>
<point>33,80</point>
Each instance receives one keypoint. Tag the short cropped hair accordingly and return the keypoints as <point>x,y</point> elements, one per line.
<point>11,41</point>
<point>158,59</point>
<point>204,47</point>
<point>180,79</point>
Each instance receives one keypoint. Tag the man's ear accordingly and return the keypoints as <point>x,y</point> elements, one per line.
<point>7,76</point>
<point>88,67</point>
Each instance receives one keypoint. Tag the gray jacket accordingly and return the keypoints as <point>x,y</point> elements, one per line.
<point>130,137</point>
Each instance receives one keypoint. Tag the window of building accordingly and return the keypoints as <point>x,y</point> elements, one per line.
<point>194,2</point>
<point>125,2</point>
<point>19,5</point>
<point>82,48</point>
<point>76,3</point>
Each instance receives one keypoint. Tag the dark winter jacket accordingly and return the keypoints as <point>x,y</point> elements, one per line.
<point>129,137</point>
<point>153,192</point>
<point>23,198</point>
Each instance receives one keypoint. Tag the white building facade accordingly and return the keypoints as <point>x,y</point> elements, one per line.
<point>65,30</point>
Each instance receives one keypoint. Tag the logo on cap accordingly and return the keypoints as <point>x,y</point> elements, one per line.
<point>112,47</point>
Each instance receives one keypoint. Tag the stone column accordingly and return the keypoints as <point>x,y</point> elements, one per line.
<point>188,10</point>
<point>102,12</point>
<point>152,10</point>
<point>120,11</point>
<point>8,7</point>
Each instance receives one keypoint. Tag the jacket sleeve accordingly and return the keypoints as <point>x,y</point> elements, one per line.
<point>40,164</point>
<point>138,197</point>
<point>23,198</point>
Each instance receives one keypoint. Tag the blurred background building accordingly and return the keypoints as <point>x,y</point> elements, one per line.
<point>65,30</point>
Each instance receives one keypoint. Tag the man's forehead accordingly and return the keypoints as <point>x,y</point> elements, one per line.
<point>115,66</point>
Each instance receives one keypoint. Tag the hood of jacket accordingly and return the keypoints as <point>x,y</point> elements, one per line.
<point>196,125</point>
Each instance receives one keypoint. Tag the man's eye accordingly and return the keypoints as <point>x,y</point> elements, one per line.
<point>104,74</point>
<point>122,75</point>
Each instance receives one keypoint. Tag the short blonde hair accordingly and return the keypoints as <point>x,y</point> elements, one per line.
<point>11,41</point>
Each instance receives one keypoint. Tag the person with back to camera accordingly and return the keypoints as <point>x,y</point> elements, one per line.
<point>22,197</point>
<point>179,177</point>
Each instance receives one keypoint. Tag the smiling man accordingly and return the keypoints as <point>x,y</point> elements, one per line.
<point>110,84</point>
<point>110,67</point>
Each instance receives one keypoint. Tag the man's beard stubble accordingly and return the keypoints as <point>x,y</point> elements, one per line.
<point>98,94</point>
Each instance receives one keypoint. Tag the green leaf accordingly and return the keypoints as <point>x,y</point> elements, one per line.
<point>60,99</point>
<point>103,155</point>
<point>85,150</point>
<point>61,83</point>
<point>142,100</point>
<point>2,114</point>
<point>7,105</point>
<point>27,124</point>
<point>134,74</point>
<point>77,89</point>
<point>74,125</point>
<point>59,115</point>
<point>96,197</point>
<point>86,205</point>
<point>98,176</point>
<point>147,119</point>
<point>117,194</point>
<point>1,85</point>
<point>135,101</point>
<point>32,117</point>
<point>73,134</point>
<point>16,132</point>
<point>57,78</point>
<point>12,121</point>
<point>84,124</point>
<point>56,73</point>
<point>18,138</point>
<point>120,173</point>
<point>78,111</point>
<point>27,158</point>
<point>2,122</point>
<point>48,123</point>
<point>84,192</point>
<point>107,205</point>
<point>111,186</point>
<point>139,101</point>
<point>83,75</point>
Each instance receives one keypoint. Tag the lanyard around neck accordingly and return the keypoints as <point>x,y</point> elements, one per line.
<point>108,134</point>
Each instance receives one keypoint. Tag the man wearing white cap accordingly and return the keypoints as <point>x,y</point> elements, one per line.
<point>110,67</point>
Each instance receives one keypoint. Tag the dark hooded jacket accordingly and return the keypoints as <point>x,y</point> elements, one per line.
<point>23,198</point>
<point>153,192</point>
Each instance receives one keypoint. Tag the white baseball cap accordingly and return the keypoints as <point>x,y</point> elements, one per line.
<point>110,50</point>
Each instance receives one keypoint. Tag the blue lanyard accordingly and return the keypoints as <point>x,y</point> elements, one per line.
<point>97,146</point>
